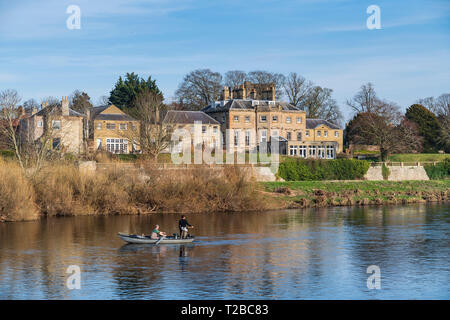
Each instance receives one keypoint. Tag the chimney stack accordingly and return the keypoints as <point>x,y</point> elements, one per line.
<point>65,106</point>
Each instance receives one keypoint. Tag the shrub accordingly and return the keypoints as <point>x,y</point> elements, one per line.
<point>309,169</point>
<point>439,170</point>
<point>7,154</point>
<point>16,194</point>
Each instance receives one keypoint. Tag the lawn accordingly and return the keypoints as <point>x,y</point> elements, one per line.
<point>418,157</point>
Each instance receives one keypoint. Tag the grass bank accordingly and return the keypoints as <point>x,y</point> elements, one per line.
<point>302,194</point>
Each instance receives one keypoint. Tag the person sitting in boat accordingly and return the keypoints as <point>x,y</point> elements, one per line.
<point>183,224</point>
<point>156,234</point>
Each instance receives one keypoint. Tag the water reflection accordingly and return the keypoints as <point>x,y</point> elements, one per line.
<point>315,253</point>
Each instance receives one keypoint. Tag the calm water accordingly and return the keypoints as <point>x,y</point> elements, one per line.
<point>301,254</point>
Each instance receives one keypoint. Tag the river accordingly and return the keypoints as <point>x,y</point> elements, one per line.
<point>289,254</point>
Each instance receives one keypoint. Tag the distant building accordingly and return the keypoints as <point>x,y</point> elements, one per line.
<point>114,130</point>
<point>298,136</point>
<point>65,125</point>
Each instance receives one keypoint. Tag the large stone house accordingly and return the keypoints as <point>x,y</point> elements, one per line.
<point>113,130</point>
<point>208,128</point>
<point>63,125</point>
<point>299,136</point>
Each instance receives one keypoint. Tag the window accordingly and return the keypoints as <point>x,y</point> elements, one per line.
<point>56,144</point>
<point>330,152</point>
<point>336,133</point>
<point>236,138</point>
<point>117,145</point>
<point>263,119</point>
<point>123,126</point>
<point>321,152</point>
<point>325,133</point>
<point>203,129</point>
<point>302,151</point>
<point>275,118</point>
<point>40,124</point>
<point>99,126</point>
<point>236,118</point>
<point>56,124</point>
<point>99,143</point>
<point>312,151</point>
<point>247,138</point>
<point>299,119</point>
<point>307,133</point>
<point>288,120</point>
<point>292,150</point>
<point>215,129</point>
<point>288,136</point>
<point>111,126</point>
<point>319,133</point>
<point>263,136</point>
<point>247,118</point>
<point>299,136</point>
<point>133,126</point>
<point>274,133</point>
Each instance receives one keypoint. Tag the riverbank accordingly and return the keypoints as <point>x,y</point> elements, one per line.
<point>305,194</point>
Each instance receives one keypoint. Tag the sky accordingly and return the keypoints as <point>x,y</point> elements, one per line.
<point>325,41</point>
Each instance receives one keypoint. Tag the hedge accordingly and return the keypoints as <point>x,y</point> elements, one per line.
<point>439,170</point>
<point>7,154</point>
<point>309,169</point>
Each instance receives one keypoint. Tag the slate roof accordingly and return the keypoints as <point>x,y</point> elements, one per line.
<point>96,114</point>
<point>314,123</point>
<point>249,104</point>
<point>72,113</point>
<point>188,117</point>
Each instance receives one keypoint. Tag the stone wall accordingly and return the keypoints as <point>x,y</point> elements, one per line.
<point>398,173</point>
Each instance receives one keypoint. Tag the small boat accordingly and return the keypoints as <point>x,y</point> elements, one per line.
<point>134,238</point>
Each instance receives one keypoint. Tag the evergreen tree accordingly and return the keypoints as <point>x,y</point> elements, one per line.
<point>428,125</point>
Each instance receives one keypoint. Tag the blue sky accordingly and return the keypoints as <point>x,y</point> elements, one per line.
<point>325,41</point>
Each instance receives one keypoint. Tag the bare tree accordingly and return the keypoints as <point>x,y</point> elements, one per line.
<point>199,88</point>
<point>319,104</point>
<point>443,105</point>
<point>296,88</point>
<point>262,78</point>
<point>9,119</point>
<point>235,78</point>
<point>370,128</point>
<point>153,136</point>
<point>365,99</point>
<point>31,105</point>
<point>103,101</point>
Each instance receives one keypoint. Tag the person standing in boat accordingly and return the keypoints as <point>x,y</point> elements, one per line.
<point>183,224</point>
<point>156,234</point>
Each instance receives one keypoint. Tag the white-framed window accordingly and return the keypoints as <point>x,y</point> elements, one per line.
<point>299,119</point>
<point>336,133</point>
<point>115,145</point>
<point>263,136</point>
<point>236,138</point>
<point>312,151</point>
<point>275,118</point>
<point>99,126</point>
<point>307,133</point>
<point>330,152</point>
<point>325,133</point>
<point>123,126</point>
<point>247,119</point>
<point>247,138</point>
<point>215,129</point>
<point>203,129</point>
<point>288,120</point>
<point>288,136</point>
<point>236,118</point>
<point>111,126</point>
<point>40,124</point>
<point>302,151</point>
<point>319,133</point>
<point>263,119</point>
<point>56,124</point>
<point>292,150</point>
<point>321,152</point>
<point>299,136</point>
